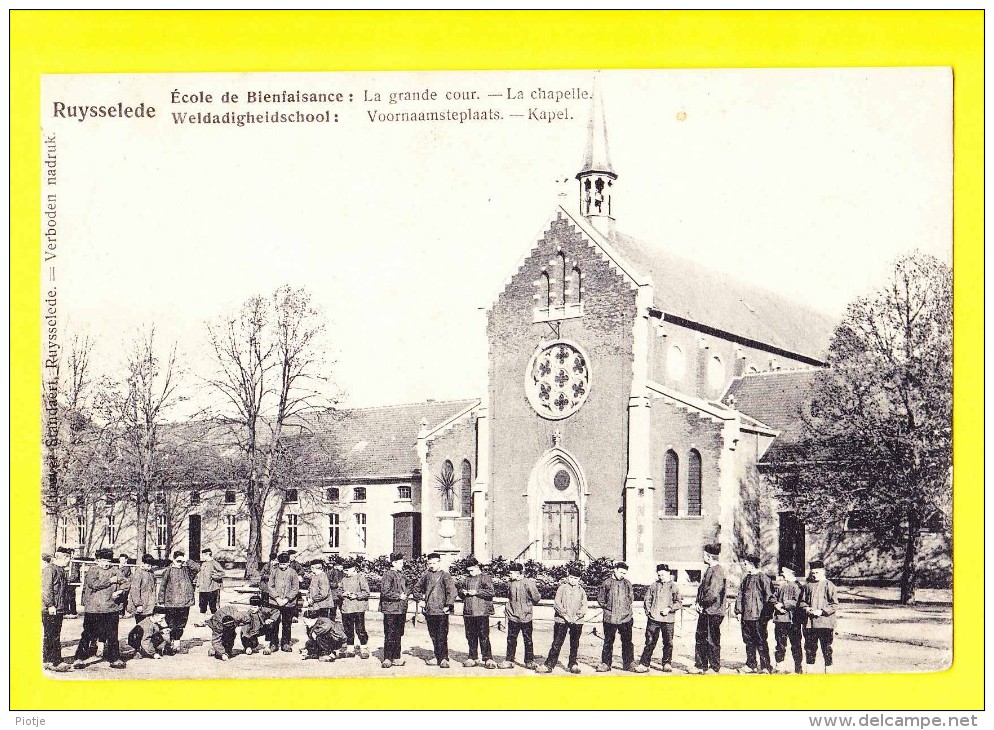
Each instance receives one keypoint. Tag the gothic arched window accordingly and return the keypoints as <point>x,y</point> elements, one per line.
<point>578,283</point>
<point>694,483</point>
<point>467,489</point>
<point>562,269</point>
<point>546,287</point>
<point>447,486</point>
<point>671,480</point>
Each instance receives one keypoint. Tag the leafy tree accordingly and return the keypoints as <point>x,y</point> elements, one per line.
<point>877,437</point>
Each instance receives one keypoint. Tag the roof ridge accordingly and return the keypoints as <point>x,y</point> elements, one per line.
<point>405,405</point>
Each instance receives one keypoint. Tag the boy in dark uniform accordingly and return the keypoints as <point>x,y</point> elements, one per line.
<point>223,625</point>
<point>711,607</point>
<point>324,637</point>
<point>54,605</point>
<point>662,601</point>
<point>264,621</point>
<point>393,606</point>
<point>103,585</point>
<point>284,591</point>
<point>819,604</point>
<point>141,591</point>
<point>477,593</point>
<point>149,637</point>
<point>438,591</point>
<point>615,596</point>
<point>787,620</point>
<point>753,606</point>
<point>522,595</point>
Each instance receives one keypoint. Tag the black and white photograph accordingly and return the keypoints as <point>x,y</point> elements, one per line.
<point>485,373</point>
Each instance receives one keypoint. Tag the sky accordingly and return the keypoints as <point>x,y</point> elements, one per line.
<point>808,182</point>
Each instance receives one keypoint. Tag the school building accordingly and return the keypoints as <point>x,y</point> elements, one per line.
<point>632,399</point>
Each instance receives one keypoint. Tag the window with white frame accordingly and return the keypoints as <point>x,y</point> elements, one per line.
<point>230,529</point>
<point>111,529</point>
<point>360,529</point>
<point>292,521</point>
<point>404,491</point>
<point>81,529</point>
<point>334,531</point>
<point>359,494</point>
<point>229,496</point>
<point>332,494</point>
<point>64,529</point>
<point>292,496</point>
<point>161,530</point>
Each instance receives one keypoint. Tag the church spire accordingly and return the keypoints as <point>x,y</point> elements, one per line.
<point>596,174</point>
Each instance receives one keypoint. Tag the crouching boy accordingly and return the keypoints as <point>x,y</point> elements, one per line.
<point>149,637</point>
<point>324,638</point>
<point>223,625</point>
<point>264,623</point>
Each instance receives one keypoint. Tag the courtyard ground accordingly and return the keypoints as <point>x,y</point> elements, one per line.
<point>875,634</point>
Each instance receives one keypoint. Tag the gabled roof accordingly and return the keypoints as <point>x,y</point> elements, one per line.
<point>381,442</point>
<point>776,398</point>
<point>701,295</point>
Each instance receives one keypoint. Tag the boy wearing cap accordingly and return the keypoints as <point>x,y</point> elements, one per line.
<point>570,607</point>
<point>710,606</point>
<point>141,591</point>
<point>354,590</point>
<point>149,637</point>
<point>284,589</point>
<point>477,593</point>
<point>176,595</point>
<point>324,637</point>
<point>438,591</point>
<point>102,586</point>
<point>393,606</point>
<point>54,605</point>
<point>125,569</point>
<point>208,582</point>
<point>320,600</point>
<point>615,597</point>
<point>787,619</point>
<point>522,595</point>
<point>753,606</point>
<point>264,621</point>
<point>223,624</point>
<point>662,601</point>
<point>335,575</point>
<point>819,605</point>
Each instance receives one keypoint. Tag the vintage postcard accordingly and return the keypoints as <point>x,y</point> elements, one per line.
<point>460,374</point>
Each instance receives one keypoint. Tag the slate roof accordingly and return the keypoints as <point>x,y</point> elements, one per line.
<point>694,292</point>
<point>774,398</point>
<point>381,442</point>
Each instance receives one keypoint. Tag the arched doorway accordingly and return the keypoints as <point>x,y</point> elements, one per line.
<point>556,495</point>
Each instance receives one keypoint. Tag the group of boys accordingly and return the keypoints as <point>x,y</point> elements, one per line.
<point>337,599</point>
<point>110,590</point>
<point>803,615</point>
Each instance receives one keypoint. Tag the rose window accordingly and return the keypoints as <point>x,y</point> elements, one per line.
<point>558,380</point>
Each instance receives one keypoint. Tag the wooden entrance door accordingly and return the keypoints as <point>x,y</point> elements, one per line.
<point>193,544</point>
<point>560,530</point>
<point>791,541</point>
<point>407,534</point>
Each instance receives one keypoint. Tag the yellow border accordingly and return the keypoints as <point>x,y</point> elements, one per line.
<point>163,41</point>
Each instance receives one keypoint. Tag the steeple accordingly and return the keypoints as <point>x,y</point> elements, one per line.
<point>597,175</point>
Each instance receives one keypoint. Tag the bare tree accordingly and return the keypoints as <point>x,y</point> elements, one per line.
<point>270,372</point>
<point>151,390</point>
<point>75,443</point>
